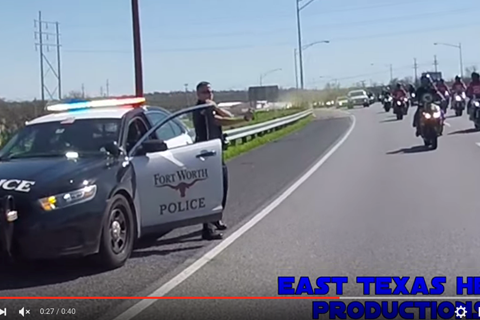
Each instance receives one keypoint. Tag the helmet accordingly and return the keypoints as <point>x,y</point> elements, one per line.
<point>458,78</point>
<point>398,85</point>
<point>425,79</point>
<point>441,80</point>
<point>475,76</point>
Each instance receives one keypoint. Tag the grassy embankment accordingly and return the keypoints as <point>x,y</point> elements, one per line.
<point>235,151</point>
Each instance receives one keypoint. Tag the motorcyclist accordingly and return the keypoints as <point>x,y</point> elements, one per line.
<point>399,92</point>
<point>411,89</point>
<point>458,86</point>
<point>443,88</point>
<point>385,94</point>
<point>411,92</point>
<point>426,87</point>
<point>385,91</point>
<point>473,90</point>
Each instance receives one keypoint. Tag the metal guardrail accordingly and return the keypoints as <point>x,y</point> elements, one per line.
<point>260,128</point>
<point>264,127</point>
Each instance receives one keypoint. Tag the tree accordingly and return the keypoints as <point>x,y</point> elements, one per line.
<point>75,95</point>
<point>469,70</point>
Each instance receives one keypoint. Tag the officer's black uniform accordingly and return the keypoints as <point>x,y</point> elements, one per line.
<point>206,129</point>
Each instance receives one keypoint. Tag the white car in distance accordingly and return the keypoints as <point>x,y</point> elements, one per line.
<point>342,101</point>
<point>359,98</point>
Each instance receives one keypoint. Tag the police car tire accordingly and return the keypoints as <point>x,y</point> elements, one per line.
<point>106,257</point>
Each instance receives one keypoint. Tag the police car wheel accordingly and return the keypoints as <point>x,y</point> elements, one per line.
<point>116,242</point>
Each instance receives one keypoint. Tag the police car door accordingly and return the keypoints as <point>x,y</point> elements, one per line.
<point>180,186</point>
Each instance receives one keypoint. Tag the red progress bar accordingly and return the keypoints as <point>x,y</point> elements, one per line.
<point>174,298</point>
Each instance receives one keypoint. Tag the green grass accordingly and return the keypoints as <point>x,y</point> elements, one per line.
<point>264,116</point>
<point>235,151</point>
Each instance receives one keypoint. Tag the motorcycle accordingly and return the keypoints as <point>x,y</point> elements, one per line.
<point>400,108</point>
<point>444,103</point>
<point>475,112</point>
<point>458,104</point>
<point>387,103</point>
<point>431,123</point>
<point>413,101</point>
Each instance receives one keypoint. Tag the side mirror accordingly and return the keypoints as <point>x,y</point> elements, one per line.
<point>151,146</point>
<point>113,149</point>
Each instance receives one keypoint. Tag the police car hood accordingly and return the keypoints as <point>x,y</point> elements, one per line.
<point>49,174</point>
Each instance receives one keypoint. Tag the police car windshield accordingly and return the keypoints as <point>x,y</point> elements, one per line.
<point>55,139</point>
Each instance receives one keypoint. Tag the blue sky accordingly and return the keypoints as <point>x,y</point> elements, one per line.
<point>230,43</point>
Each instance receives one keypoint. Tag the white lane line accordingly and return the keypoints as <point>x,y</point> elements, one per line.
<point>197,265</point>
<point>447,124</point>
<point>478,144</point>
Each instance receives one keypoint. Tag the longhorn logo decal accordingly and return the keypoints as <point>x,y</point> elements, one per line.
<point>181,180</point>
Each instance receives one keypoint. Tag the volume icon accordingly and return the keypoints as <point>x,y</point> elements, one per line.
<point>22,312</point>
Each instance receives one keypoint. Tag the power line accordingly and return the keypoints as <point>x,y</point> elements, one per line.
<point>369,7</point>
<point>380,72</point>
<point>278,44</point>
<point>424,30</point>
<point>260,33</point>
<point>265,15</point>
<point>434,15</point>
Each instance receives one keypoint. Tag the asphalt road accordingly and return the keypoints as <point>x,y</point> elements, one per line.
<point>379,206</point>
<point>255,178</point>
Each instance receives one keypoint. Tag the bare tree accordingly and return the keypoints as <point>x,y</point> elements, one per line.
<point>470,69</point>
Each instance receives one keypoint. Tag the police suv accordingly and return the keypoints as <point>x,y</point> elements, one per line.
<point>92,177</point>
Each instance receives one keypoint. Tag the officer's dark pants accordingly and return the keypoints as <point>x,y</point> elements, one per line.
<point>209,226</point>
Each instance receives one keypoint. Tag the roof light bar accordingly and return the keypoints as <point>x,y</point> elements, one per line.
<point>96,104</point>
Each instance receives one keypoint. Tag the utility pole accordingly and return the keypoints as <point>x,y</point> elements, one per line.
<point>107,86</point>
<point>57,31</point>
<point>300,53</point>
<point>296,67</point>
<point>137,49</point>
<point>391,72</point>
<point>101,91</point>
<point>45,42</point>
<point>415,67</point>
<point>435,63</point>
<point>83,91</point>
<point>461,59</point>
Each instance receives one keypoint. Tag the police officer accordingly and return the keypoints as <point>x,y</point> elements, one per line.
<point>208,125</point>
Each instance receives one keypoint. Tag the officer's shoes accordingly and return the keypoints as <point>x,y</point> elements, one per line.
<point>211,235</point>
<point>220,225</point>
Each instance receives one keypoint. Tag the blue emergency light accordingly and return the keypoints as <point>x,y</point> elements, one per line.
<point>76,104</point>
